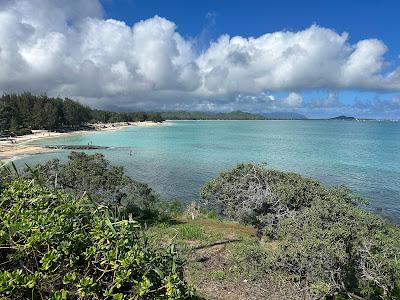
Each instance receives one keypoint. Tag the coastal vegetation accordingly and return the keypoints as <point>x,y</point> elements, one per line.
<point>83,228</point>
<point>56,246</point>
<point>322,239</point>
<point>102,182</point>
<point>19,114</point>
<point>104,116</point>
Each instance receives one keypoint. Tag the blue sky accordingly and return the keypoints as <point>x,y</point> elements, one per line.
<point>320,58</point>
<point>361,18</point>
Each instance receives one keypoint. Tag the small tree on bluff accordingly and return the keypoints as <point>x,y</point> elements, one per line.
<point>260,197</point>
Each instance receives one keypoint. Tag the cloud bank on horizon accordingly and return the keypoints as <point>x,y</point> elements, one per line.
<point>67,48</point>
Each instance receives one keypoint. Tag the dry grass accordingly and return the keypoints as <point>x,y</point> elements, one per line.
<point>213,250</point>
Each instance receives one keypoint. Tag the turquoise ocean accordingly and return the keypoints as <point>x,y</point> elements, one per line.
<point>178,157</point>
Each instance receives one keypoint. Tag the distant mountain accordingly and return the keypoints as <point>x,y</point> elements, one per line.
<point>198,115</point>
<point>343,118</point>
<point>234,115</point>
<point>284,116</point>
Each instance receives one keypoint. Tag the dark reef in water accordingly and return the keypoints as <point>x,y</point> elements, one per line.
<point>77,147</point>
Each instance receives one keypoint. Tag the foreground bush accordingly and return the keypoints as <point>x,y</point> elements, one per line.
<point>53,245</point>
<point>321,239</point>
<point>334,248</point>
<point>261,197</point>
<point>104,183</point>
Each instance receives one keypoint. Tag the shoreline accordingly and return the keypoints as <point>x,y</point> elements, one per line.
<point>11,148</point>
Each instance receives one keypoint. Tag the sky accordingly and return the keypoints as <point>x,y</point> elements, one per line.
<point>319,58</point>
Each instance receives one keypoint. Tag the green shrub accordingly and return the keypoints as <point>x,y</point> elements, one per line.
<point>322,240</point>
<point>56,246</point>
<point>8,172</point>
<point>104,183</point>
<point>261,197</point>
<point>335,247</point>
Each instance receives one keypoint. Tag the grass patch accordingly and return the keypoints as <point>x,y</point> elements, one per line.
<point>224,259</point>
<point>191,232</point>
<point>215,252</point>
<point>218,275</point>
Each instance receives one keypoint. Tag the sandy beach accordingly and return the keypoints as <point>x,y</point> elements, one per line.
<point>20,145</point>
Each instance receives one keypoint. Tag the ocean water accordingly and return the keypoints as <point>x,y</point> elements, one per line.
<point>177,158</point>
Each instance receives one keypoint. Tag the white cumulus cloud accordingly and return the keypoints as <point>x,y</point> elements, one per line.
<point>67,48</point>
<point>293,100</point>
